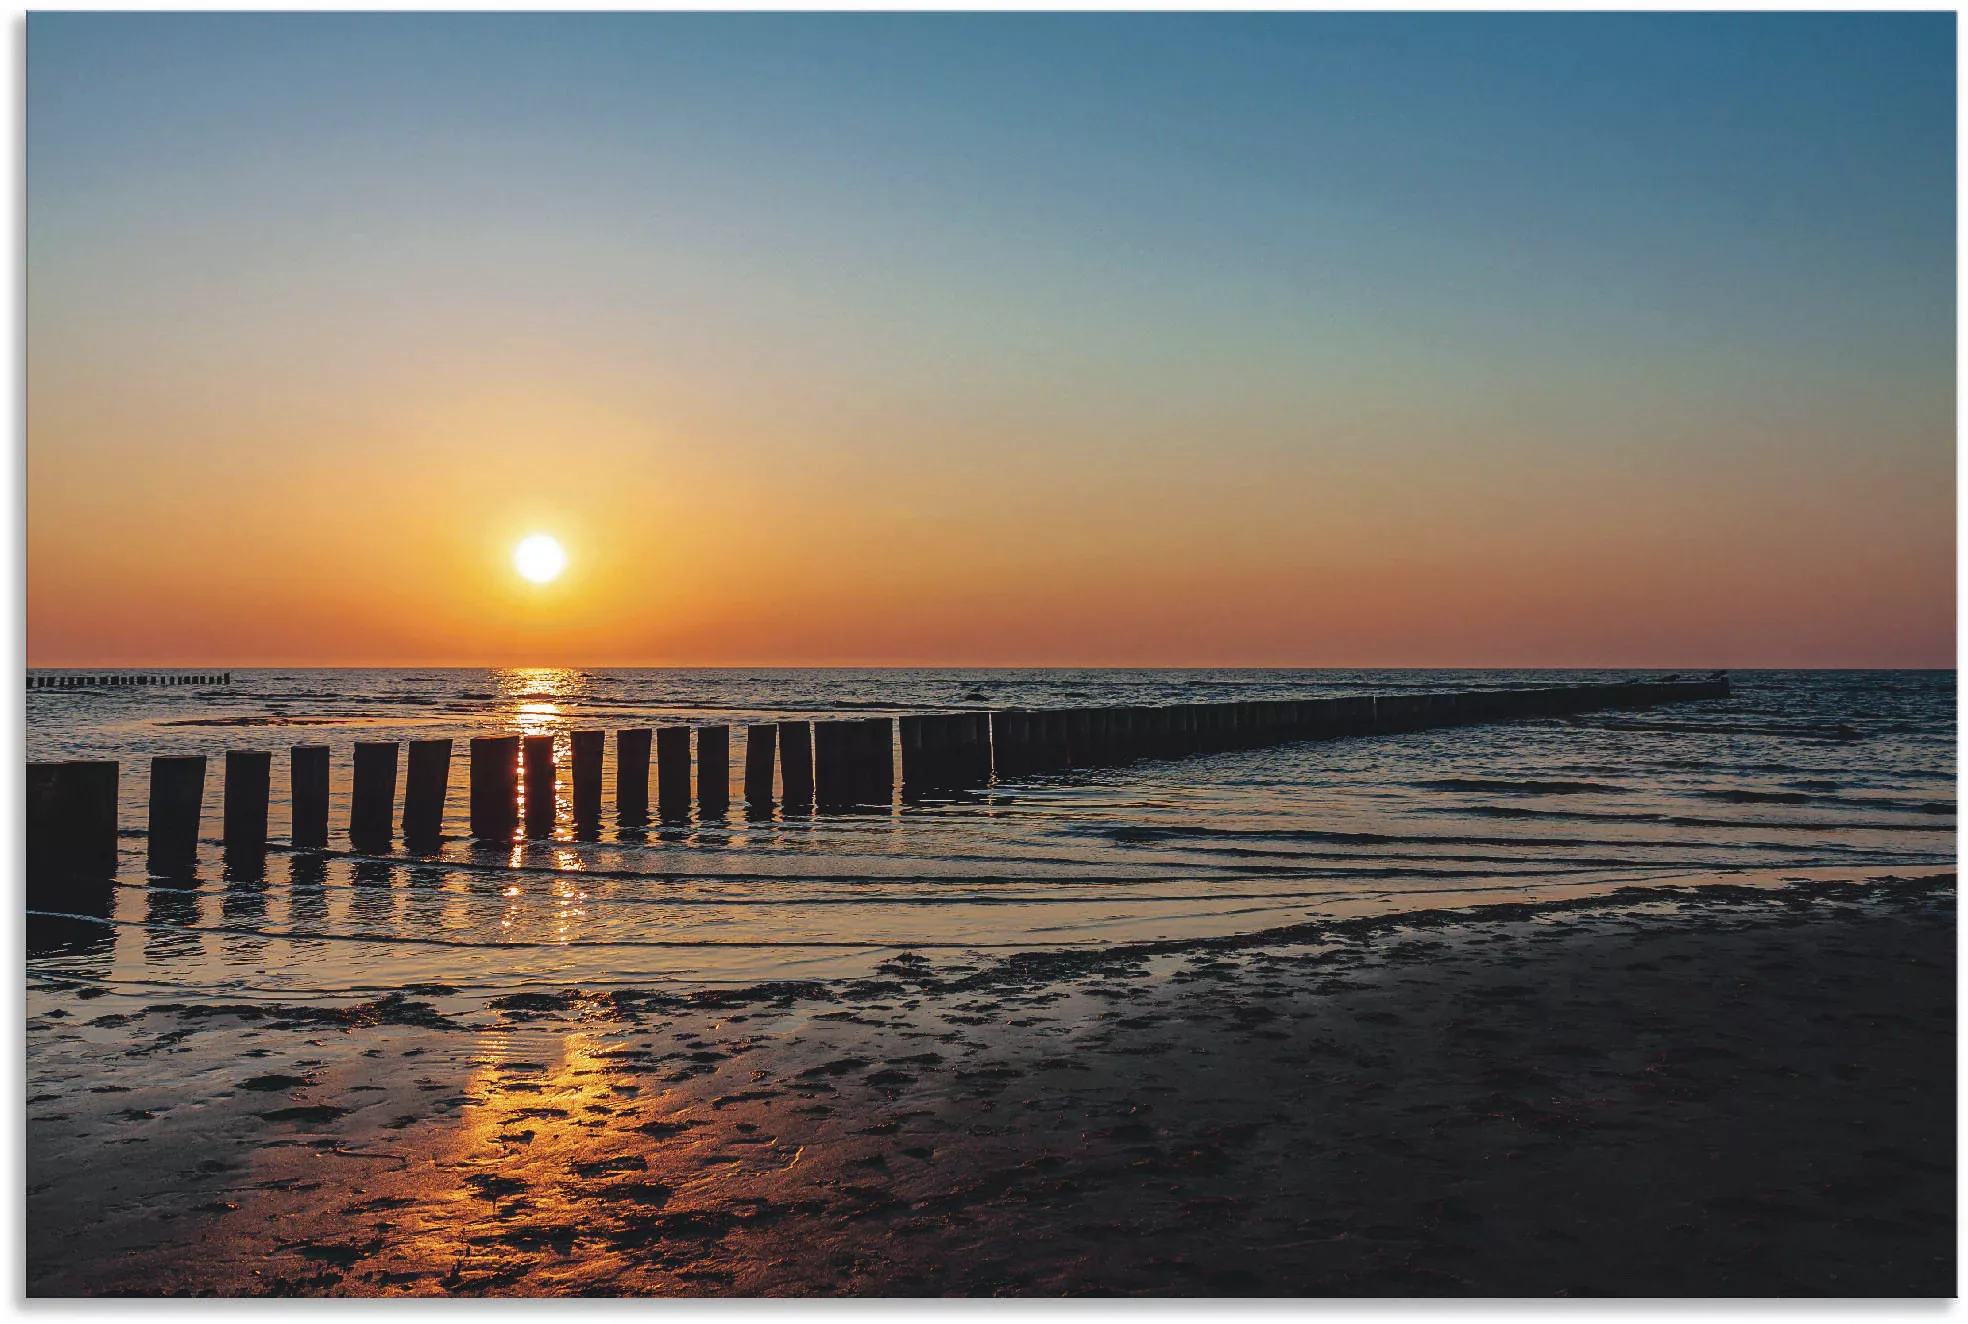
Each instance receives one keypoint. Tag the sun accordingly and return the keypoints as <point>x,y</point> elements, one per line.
<point>539,558</point>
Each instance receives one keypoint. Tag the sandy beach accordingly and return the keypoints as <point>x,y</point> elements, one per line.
<point>1704,1091</point>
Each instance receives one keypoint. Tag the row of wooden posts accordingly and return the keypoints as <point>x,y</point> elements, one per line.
<point>72,827</point>
<point>120,681</point>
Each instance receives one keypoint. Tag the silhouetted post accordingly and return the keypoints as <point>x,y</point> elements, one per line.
<point>372,796</point>
<point>931,770</point>
<point>539,785</point>
<point>586,755</point>
<point>953,752</point>
<point>177,794</point>
<point>72,820</point>
<point>427,781</point>
<point>46,847</point>
<point>673,771</point>
<point>713,771</point>
<point>953,758</point>
<point>833,763</point>
<point>308,774</point>
<point>760,742</point>
<point>632,776</point>
<point>978,749</point>
<point>1079,737</point>
<point>494,786</point>
<point>796,763</point>
<point>1005,742</point>
<point>911,740</point>
<point>247,774</point>
<point>878,760</point>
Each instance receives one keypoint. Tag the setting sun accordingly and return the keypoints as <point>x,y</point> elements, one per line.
<point>539,558</point>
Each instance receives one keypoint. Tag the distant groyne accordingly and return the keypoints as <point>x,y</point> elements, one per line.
<point>827,765</point>
<point>122,680</point>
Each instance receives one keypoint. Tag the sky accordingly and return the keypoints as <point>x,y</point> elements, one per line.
<point>991,339</point>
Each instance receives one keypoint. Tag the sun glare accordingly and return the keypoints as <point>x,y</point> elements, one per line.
<point>539,558</point>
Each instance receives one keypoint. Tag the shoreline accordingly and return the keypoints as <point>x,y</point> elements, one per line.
<point>1718,1090</point>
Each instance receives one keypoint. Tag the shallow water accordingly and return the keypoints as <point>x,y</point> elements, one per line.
<point>1799,774</point>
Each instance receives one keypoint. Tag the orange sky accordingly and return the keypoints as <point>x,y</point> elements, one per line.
<point>1181,358</point>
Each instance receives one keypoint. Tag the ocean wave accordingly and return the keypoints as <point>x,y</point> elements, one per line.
<point>1526,787</point>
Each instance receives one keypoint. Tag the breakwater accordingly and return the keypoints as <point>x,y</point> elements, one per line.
<point>826,765</point>
<point>126,680</point>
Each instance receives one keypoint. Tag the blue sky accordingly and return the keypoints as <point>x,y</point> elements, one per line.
<point>1321,248</point>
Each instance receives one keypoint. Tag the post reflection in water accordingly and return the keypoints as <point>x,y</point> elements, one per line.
<point>172,911</point>
<point>307,899</point>
<point>243,905</point>
<point>426,906</point>
<point>69,933</point>
<point>372,900</point>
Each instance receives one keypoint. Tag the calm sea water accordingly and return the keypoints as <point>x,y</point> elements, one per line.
<point>1800,774</point>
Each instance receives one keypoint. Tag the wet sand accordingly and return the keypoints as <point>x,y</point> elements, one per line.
<point>1717,1091</point>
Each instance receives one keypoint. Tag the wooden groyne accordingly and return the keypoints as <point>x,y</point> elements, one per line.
<point>833,764</point>
<point>126,680</point>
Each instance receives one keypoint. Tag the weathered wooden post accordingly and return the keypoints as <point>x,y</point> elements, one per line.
<point>977,770</point>
<point>673,771</point>
<point>914,780</point>
<point>1004,732</point>
<point>46,846</point>
<point>308,774</point>
<point>932,756</point>
<point>585,754</point>
<point>427,782</point>
<point>540,790</point>
<point>833,764</point>
<point>83,801</point>
<point>177,794</point>
<point>796,763</point>
<point>760,742</point>
<point>632,776</point>
<point>494,786</point>
<point>372,796</point>
<point>247,775</point>
<point>713,771</point>
<point>878,760</point>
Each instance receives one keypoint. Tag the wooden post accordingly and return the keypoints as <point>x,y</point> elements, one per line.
<point>760,742</point>
<point>540,795</point>
<point>177,794</point>
<point>494,786</point>
<point>46,848</point>
<point>246,778</point>
<point>914,778</point>
<point>833,765</point>
<point>977,771</point>
<point>796,763</point>
<point>427,782</point>
<point>372,797</point>
<point>308,773</point>
<point>713,771</point>
<point>586,750</point>
<point>632,776</point>
<point>1006,742</point>
<point>71,821</point>
<point>931,772</point>
<point>878,760</point>
<point>673,771</point>
<point>1079,737</point>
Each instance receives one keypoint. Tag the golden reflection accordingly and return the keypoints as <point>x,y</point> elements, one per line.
<point>538,696</point>
<point>568,1159</point>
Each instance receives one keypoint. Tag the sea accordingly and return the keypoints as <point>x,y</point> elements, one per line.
<point>1798,775</point>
